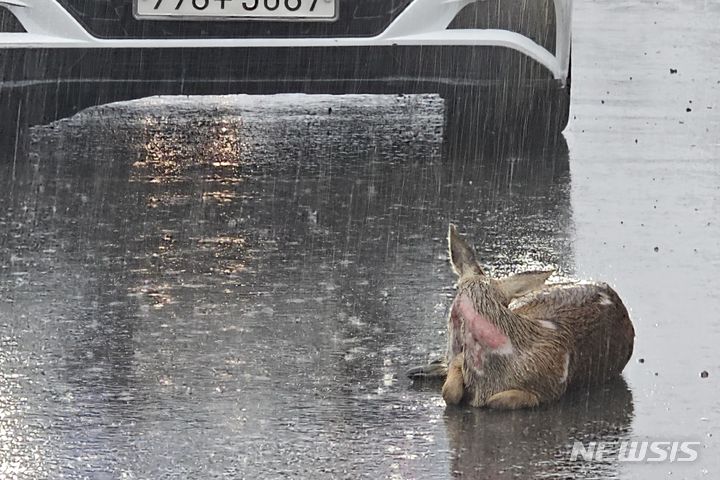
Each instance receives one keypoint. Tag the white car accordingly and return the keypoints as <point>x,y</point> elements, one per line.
<point>496,62</point>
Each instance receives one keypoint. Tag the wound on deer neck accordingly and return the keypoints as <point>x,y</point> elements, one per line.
<point>477,327</point>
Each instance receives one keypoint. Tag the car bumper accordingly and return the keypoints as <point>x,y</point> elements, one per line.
<point>423,23</point>
<point>56,68</point>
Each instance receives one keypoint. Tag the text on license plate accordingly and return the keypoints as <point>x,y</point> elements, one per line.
<point>228,9</point>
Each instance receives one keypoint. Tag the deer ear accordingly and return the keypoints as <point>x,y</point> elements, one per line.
<point>518,285</point>
<point>462,257</point>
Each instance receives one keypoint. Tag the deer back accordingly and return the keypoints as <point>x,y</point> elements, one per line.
<point>590,321</point>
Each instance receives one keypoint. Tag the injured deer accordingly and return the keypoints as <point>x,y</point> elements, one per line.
<point>516,342</point>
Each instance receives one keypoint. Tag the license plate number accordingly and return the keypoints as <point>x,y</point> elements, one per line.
<point>312,10</point>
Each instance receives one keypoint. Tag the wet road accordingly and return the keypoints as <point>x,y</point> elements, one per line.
<point>234,286</point>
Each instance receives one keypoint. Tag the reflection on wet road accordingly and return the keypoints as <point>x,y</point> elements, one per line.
<point>233,286</point>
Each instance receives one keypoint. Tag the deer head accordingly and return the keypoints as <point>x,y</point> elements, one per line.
<point>484,334</point>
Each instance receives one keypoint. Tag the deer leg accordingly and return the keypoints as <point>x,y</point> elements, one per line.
<point>435,369</point>
<point>454,387</point>
<point>513,400</point>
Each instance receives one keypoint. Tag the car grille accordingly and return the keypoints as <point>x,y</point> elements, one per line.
<point>114,19</point>
<point>8,22</point>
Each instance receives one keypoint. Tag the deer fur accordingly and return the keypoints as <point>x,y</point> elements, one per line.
<point>517,342</point>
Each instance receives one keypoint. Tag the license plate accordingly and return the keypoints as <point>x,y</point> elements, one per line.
<point>278,10</point>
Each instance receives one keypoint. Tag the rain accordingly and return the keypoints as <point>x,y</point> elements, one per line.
<point>204,285</point>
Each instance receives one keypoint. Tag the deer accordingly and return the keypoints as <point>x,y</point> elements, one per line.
<point>518,342</point>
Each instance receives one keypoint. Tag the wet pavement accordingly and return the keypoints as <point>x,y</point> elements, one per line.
<point>232,287</point>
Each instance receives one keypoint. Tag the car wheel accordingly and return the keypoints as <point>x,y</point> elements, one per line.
<point>515,115</point>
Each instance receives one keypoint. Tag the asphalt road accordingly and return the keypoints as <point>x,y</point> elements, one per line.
<point>232,287</point>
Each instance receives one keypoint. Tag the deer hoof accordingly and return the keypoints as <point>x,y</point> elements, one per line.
<point>436,369</point>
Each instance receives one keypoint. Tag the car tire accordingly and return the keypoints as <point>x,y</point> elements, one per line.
<point>513,111</point>
<point>514,115</point>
